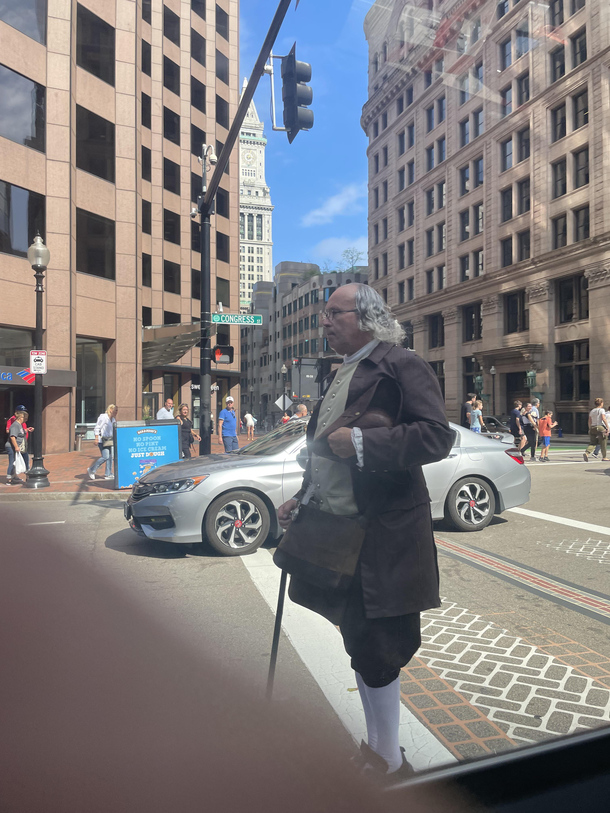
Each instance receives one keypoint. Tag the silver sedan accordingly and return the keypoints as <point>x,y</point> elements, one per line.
<point>232,499</point>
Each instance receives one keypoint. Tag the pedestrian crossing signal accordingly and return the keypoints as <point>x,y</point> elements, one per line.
<point>222,354</point>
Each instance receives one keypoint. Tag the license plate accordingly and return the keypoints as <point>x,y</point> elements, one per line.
<point>127,511</point>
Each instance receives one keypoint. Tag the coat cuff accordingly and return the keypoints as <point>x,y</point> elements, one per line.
<point>358,446</point>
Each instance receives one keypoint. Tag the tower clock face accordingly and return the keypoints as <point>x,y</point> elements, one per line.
<point>249,158</point>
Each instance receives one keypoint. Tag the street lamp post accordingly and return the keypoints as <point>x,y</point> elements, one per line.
<point>284,372</point>
<point>251,397</point>
<point>38,256</point>
<point>492,370</point>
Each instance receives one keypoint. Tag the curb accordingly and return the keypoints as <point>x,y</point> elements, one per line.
<point>76,496</point>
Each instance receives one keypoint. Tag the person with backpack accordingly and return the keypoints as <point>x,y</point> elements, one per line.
<point>598,430</point>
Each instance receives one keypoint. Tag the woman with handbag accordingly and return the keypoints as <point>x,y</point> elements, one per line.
<point>598,429</point>
<point>104,432</point>
<point>15,445</point>
<point>187,434</point>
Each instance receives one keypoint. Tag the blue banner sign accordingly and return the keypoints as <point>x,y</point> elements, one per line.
<point>140,449</point>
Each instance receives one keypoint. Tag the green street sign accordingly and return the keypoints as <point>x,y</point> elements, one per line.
<point>236,319</point>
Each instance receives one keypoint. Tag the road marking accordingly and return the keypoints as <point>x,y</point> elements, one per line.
<point>588,602</point>
<point>57,522</point>
<point>320,646</point>
<point>573,523</point>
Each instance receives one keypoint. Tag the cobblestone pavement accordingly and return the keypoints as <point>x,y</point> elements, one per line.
<point>504,689</point>
<point>594,550</point>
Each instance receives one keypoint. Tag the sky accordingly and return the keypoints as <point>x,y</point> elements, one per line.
<point>318,183</point>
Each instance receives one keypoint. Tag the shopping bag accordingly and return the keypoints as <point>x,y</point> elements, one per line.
<point>19,463</point>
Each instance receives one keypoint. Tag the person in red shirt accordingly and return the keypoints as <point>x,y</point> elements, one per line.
<point>26,429</point>
<point>545,425</point>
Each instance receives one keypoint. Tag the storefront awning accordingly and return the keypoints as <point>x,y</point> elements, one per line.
<point>167,344</point>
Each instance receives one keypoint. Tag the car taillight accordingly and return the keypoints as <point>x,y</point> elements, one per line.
<point>516,456</point>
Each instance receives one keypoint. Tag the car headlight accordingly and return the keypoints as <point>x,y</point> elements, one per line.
<point>178,486</point>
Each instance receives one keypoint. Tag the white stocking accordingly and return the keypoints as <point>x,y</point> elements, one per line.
<point>384,709</point>
<point>371,728</point>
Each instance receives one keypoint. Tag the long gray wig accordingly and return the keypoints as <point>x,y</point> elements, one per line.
<point>375,317</point>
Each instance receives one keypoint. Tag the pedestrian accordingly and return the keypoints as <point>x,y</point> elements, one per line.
<point>227,426</point>
<point>16,443</point>
<point>104,433</point>
<point>27,429</point>
<point>536,414</point>
<point>598,429</point>
<point>249,422</point>
<point>597,451</point>
<point>374,474</point>
<point>476,417</point>
<point>187,434</point>
<point>300,413</point>
<point>466,408</point>
<point>285,417</point>
<point>515,425</point>
<point>530,425</point>
<point>545,424</point>
<point>166,413</point>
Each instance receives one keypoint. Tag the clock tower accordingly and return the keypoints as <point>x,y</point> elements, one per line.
<point>255,208</point>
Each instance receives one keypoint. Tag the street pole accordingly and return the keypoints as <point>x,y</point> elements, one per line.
<point>493,388</point>
<point>205,206</point>
<point>39,256</point>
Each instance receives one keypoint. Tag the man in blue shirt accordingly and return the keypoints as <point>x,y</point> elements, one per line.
<point>515,422</point>
<point>227,426</point>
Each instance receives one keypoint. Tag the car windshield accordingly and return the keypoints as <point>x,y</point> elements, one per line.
<point>280,440</point>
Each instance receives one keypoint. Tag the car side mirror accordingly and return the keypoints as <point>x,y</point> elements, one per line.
<point>303,457</point>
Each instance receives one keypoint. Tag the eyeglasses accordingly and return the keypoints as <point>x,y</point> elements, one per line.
<point>330,315</point>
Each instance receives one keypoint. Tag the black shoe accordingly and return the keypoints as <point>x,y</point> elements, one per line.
<point>370,764</point>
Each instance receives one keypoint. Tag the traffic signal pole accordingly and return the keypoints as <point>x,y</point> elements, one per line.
<point>205,206</point>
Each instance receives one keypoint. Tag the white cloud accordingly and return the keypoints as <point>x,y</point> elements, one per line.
<point>347,201</point>
<point>332,248</point>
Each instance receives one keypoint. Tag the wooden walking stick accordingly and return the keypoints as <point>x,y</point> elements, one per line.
<point>276,633</point>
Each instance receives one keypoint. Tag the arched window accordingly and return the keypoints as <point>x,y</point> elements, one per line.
<point>250,227</point>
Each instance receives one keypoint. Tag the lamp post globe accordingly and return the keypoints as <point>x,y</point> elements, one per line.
<point>38,257</point>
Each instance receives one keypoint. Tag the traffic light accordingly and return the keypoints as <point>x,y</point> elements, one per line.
<point>296,94</point>
<point>222,354</point>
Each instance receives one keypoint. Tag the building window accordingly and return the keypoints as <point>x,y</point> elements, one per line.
<point>523,196</point>
<point>17,93</point>
<point>401,183</point>
<point>171,177</point>
<point>94,144</point>
<point>171,126</point>
<point>440,237</point>
<point>384,192</point>
<point>171,226</point>
<point>477,262</point>
<point>429,158</point>
<point>430,118</point>
<point>376,197</point>
<point>558,63</point>
<point>577,5</point>
<point>384,264</point>
<point>400,105</point>
<point>410,173</point>
<point>506,101</point>
<point>465,224</point>
<point>465,180</point>
<point>95,245</point>
<point>146,270</point>
<point>506,204</point>
<point>171,76</point>
<point>376,234</point>
<point>506,252</point>
<point>198,7</point>
<point>146,11</point>
<point>502,8</point>
<point>441,109</point>
<point>464,93</point>
<point>401,256</point>
<point>410,252</point>
<point>581,109</point>
<point>477,75</point>
<point>556,12</point>
<point>522,39</point>
<point>410,289</point>
<point>506,154</point>
<point>478,176</point>
<point>464,132</point>
<point>222,247</point>
<point>222,67</point>
<point>384,121</point>
<point>401,143</point>
<point>429,242</point>
<point>171,277</point>
<point>410,213</point>
<point>197,94</point>
<point>441,149</point>
<point>222,112</point>
<point>523,88</point>
<point>572,299</point>
<point>464,263</point>
<point>384,294</point>
<point>523,144</point>
<point>472,322</point>
<point>440,195</point>
<point>441,278</point>
<point>401,218</point>
<point>376,267</point>
<point>429,201</point>
<point>436,331</point>
<point>558,122</point>
<point>581,224</point>
<point>579,48</point>
<point>95,44</point>
<point>90,380</point>
<point>146,57</point>
<point>401,293</point>
<point>573,376</point>
<point>506,54</point>
<point>410,135</point>
<point>581,167</point>
<point>516,314</point>
<point>523,245</point>
<point>222,22</point>
<point>171,25</point>
<point>560,231</point>
<point>478,123</point>
<point>22,215</point>
<point>477,218</point>
<point>146,217</point>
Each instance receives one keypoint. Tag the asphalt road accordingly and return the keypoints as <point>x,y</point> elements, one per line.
<point>523,637</point>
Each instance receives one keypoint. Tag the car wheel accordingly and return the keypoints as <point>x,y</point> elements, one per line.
<point>471,504</point>
<point>237,523</point>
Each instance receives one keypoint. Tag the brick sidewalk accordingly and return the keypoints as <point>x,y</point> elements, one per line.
<point>68,471</point>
